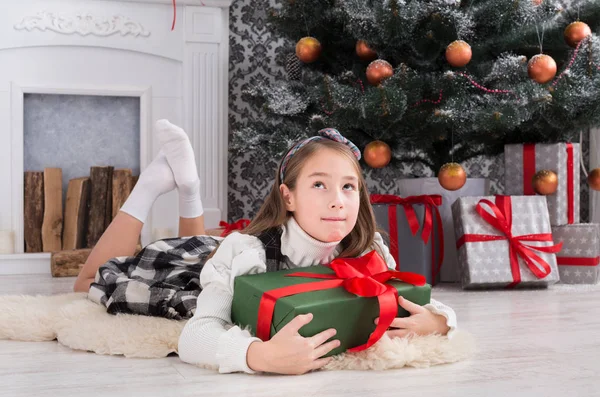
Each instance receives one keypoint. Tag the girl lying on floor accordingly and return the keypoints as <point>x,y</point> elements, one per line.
<point>317,210</point>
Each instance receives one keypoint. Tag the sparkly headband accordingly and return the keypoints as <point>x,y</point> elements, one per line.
<point>325,133</point>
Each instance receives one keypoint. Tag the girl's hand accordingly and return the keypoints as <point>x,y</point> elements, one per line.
<point>288,352</point>
<point>420,322</point>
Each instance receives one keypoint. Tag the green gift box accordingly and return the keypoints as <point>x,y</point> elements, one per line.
<point>351,315</point>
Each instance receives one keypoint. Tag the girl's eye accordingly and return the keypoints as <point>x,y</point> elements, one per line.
<point>349,186</point>
<point>318,185</point>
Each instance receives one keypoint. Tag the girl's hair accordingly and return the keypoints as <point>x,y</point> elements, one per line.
<point>273,213</point>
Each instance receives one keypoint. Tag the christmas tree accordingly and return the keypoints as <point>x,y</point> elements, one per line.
<point>431,81</point>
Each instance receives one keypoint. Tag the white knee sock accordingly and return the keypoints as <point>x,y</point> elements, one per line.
<point>180,156</point>
<point>156,180</point>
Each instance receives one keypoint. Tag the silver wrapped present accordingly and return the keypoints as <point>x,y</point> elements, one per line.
<point>580,254</point>
<point>523,161</point>
<point>504,241</point>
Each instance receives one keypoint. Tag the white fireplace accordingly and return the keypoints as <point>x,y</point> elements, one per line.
<point>117,48</point>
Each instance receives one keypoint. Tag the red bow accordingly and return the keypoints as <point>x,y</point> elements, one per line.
<point>230,227</point>
<point>365,276</point>
<point>502,221</point>
<point>431,203</point>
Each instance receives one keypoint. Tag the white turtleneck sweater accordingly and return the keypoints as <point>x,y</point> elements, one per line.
<point>209,338</point>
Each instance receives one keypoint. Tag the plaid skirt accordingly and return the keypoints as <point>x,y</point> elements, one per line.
<point>162,280</point>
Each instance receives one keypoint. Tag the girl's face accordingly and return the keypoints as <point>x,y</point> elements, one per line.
<point>325,201</point>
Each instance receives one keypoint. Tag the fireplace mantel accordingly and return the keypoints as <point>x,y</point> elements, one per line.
<point>118,47</point>
<point>205,3</point>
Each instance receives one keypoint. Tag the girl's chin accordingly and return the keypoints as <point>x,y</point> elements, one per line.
<point>334,236</point>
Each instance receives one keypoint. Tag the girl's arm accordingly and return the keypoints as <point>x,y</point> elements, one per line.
<point>209,338</point>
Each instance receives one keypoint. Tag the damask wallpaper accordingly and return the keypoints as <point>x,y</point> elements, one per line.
<point>256,57</point>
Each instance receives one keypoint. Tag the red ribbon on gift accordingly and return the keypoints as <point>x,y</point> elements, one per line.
<point>570,185</point>
<point>230,227</point>
<point>431,203</point>
<point>365,276</point>
<point>569,261</point>
<point>529,170</point>
<point>501,220</point>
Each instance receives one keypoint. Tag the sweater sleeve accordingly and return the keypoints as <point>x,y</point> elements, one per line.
<point>434,306</point>
<point>437,307</point>
<point>209,338</point>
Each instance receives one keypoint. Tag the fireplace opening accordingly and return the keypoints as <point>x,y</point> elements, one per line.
<point>81,156</point>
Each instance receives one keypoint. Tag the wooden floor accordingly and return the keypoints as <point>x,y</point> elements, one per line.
<point>530,343</point>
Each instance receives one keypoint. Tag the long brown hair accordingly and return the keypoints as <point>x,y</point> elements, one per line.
<point>273,212</point>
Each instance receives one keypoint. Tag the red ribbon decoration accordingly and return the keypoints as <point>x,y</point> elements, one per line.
<point>570,185</point>
<point>174,15</point>
<point>569,261</point>
<point>501,220</point>
<point>529,169</point>
<point>230,227</point>
<point>431,203</point>
<point>365,276</point>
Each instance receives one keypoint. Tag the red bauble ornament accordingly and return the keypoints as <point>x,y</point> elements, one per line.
<point>545,182</point>
<point>365,52</point>
<point>452,176</point>
<point>377,154</point>
<point>308,49</point>
<point>593,179</point>
<point>541,68</point>
<point>576,32</point>
<point>537,2</point>
<point>379,70</point>
<point>458,53</point>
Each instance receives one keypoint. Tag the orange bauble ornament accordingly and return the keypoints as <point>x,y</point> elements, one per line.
<point>452,176</point>
<point>379,70</point>
<point>593,179</point>
<point>377,154</point>
<point>365,52</point>
<point>545,182</point>
<point>308,49</point>
<point>537,2</point>
<point>541,68</point>
<point>576,32</point>
<point>458,53</point>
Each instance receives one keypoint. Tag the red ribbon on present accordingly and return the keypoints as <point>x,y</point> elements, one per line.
<point>365,276</point>
<point>569,261</point>
<point>230,227</point>
<point>529,170</point>
<point>570,185</point>
<point>431,203</point>
<point>501,220</point>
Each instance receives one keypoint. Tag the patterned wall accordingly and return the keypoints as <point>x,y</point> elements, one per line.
<point>255,58</point>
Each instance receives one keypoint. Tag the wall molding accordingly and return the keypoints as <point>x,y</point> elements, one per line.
<point>83,24</point>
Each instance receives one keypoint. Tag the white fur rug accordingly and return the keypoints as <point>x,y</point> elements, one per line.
<point>80,324</point>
